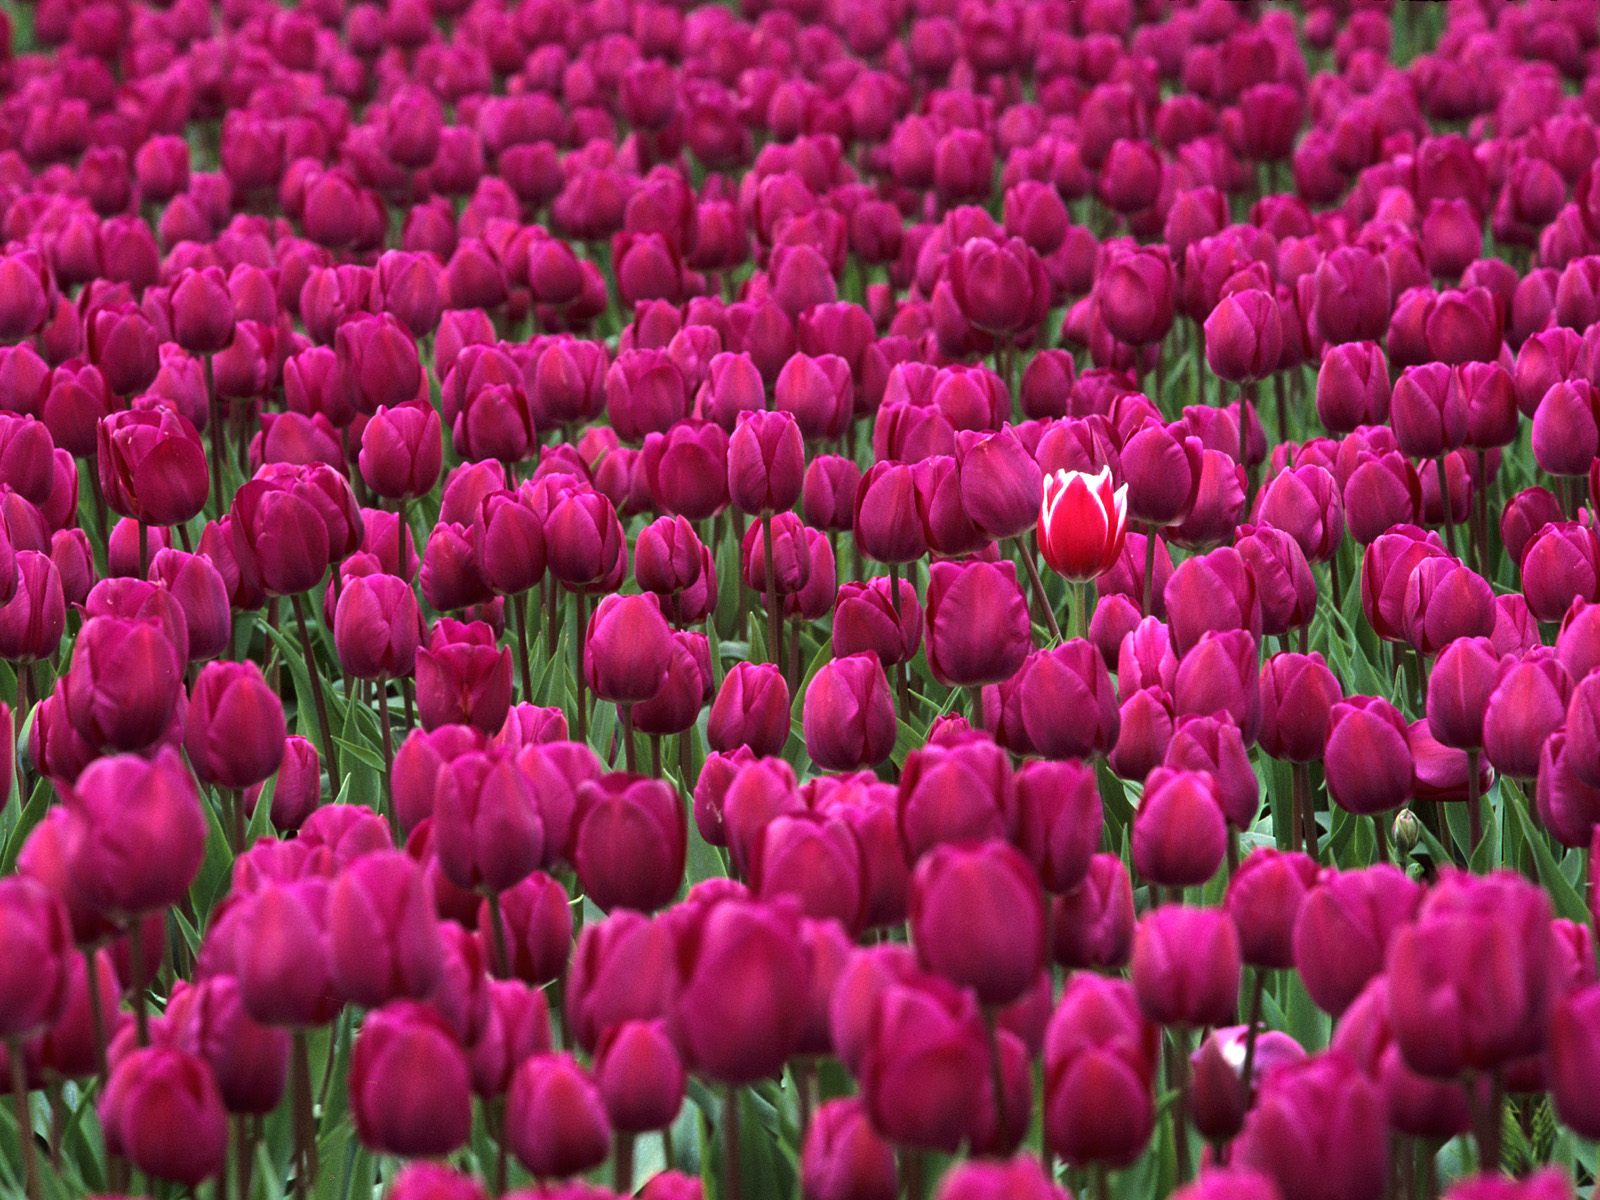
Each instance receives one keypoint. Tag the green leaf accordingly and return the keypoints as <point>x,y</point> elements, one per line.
<point>1562,894</point>
<point>38,804</point>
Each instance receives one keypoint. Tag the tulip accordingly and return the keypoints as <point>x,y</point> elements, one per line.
<point>1244,338</point>
<point>1470,982</point>
<point>1352,387</point>
<point>146,815</point>
<point>751,709</point>
<point>376,627</point>
<point>1056,820</point>
<point>640,1077</point>
<point>556,1121</point>
<point>383,937</point>
<point>250,1060</point>
<point>151,465</point>
<point>488,831</point>
<point>234,729</point>
<point>628,842</point>
<point>924,1056</point>
<point>686,469</point>
<point>1218,676</point>
<point>162,1111</point>
<point>955,891</point>
<point>1082,524</point>
<point>409,1083</point>
<point>626,649</point>
<point>1186,965</point>
<point>1429,410</point>
<point>1099,1068</point>
<point>463,682</point>
<point>1298,695</point>
<point>1071,677</point>
<point>1344,929</point>
<point>1527,705</point>
<point>297,789</point>
<point>1022,1178</point>
<point>1560,564</point>
<point>1367,758</point>
<point>196,584</point>
<point>1212,592</point>
<point>766,463</point>
<point>739,1035</point>
<point>1162,468</point>
<point>843,1156</point>
<point>1229,1183</point>
<point>1179,832</point>
<point>961,600</point>
<point>1572,1052</point>
<point>401,451</point>
<point>1000,288</point>
<point>285,978</point>
<point>1317,1130</point>
<point>37,941</point>
<point>1353,295</point>
<point>848,715</point>
<point>1135,296</point>
<point>815,861</point>
<point>537,925</point>
<point>34,618</point>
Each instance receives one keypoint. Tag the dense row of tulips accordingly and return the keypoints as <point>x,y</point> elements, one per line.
<point>963,597</point>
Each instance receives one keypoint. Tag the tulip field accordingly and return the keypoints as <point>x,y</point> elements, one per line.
<point>799,599</point>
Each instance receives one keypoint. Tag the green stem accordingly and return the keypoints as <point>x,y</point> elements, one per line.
<point>329,750</point>
<point>730,1144</point>
<point>141,1018</point>
<point>19,1097</point>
